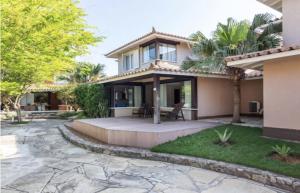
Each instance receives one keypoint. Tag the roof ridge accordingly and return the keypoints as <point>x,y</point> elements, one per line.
<point>148,34</point>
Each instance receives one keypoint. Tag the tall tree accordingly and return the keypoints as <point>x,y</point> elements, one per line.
<point>84,72</point>
<point>233,38</point>
<point>40,39</point>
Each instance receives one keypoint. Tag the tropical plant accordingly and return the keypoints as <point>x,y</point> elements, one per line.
<point>92,100</point>
<point>283,151</point>
<point>39,40</point>
<point>84,72</point>
<point>234,38</point>
<point>224,137</point>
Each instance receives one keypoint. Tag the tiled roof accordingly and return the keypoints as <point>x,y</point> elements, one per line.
<point>146,35</point>
<point>47,87</point>
<point>161,67</point>
<point>261,53</point>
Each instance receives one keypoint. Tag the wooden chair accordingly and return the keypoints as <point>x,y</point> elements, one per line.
<point>175,113</point>
<point>144,111</point>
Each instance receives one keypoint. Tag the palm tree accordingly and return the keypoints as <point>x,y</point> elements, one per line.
<point>234,38</point>
<point>84,72</point>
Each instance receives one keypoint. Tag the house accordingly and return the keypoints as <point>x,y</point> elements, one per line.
<point>149,72</point>
<point>42,98</point>
<point>281,69</point>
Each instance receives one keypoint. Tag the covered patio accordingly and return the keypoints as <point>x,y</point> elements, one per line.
<point>161,86</point>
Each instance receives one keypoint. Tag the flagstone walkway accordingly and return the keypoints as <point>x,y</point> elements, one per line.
<point>36,159</point>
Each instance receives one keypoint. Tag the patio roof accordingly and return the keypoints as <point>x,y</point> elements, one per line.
<point>163,69</point>
<point>47,87</point>
<point>147,37</point>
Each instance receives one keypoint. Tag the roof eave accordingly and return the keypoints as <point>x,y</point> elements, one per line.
<point>145,38</point>
<point>258,61</point>
<point>275,4</point>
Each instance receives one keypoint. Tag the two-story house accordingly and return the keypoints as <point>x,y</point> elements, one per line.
<point>149,72</point>
<point>281,67</point>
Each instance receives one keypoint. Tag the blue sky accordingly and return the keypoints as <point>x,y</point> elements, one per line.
<point>121,21</point>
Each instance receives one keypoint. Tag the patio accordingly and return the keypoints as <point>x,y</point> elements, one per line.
<point>127,131</point>
<point>137,132</point>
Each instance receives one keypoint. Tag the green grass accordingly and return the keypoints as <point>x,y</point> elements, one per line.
<point>248,148</point>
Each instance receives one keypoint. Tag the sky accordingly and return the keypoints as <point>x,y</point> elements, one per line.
<point>121,21</point>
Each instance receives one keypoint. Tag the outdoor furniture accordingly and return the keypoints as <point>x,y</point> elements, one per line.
<point>144,111</point>
<point>175,113</point>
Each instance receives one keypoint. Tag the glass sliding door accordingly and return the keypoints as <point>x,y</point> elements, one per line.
<point>177,92</point>
<point>127,96</point>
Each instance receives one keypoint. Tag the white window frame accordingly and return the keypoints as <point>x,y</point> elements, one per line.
<point>130,66</point>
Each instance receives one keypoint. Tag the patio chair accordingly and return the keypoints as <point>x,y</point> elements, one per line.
<point>144,111</point>
<point>175,113</point>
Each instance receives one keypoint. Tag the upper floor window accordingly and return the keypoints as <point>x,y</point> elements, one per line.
<point>149,53</point>
<point>167,52</point>
<point>128,62</point>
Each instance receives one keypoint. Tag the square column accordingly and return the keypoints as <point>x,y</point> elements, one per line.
<point>194,98</point>
<point>156,99</point>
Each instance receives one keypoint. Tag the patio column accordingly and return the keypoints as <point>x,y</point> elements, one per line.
<point>194,98</point>
<point>156,99</point>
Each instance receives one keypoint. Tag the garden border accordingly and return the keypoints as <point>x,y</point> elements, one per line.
<point>261,176</point>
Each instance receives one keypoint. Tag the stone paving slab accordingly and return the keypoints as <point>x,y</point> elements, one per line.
<point>42,161</point>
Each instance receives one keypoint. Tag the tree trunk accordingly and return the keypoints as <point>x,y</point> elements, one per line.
<point>17,107</point>
<point>236,100</point>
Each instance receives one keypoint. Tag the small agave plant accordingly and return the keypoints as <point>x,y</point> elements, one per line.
<point>224,137</point>
<point>283,151</point>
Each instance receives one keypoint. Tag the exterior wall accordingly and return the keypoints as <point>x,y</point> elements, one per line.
<point>291,20</point>
<point>27,99</point>
<point>135,53</point>
<point>215,97</point>
<point>251,90</point>
<point>182,52</point>
<point>282,93</point>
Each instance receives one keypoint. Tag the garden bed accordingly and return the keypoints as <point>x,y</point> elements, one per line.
<point>249,149</point>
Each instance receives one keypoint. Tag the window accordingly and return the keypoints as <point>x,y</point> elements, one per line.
<point>167,52</point>
<point>149,53</point>
<point>128,62</point>
<point>123,97</point>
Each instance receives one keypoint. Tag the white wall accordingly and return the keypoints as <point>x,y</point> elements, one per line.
<point>183,50</point>
<point>291,21</point>
<point>27,99</point>
<point>135,53</point>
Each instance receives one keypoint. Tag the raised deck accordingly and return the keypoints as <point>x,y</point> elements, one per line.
<point>137,132</point>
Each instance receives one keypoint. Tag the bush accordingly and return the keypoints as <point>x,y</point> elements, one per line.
<point>67,95</point>
<point>92,100</point>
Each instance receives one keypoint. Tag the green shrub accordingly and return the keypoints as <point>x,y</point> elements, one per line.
<point>92,100</point>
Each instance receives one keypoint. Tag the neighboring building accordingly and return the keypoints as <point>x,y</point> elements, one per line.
<point>42,98</point>
<point>281,68</point>
<point>149,72</point>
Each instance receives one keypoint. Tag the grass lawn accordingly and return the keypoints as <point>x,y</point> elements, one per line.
<point>248,148</point>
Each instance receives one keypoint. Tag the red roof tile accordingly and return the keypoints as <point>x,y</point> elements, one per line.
<point>261,53</point>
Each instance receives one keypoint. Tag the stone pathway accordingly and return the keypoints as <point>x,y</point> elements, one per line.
<point>36,159</point>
